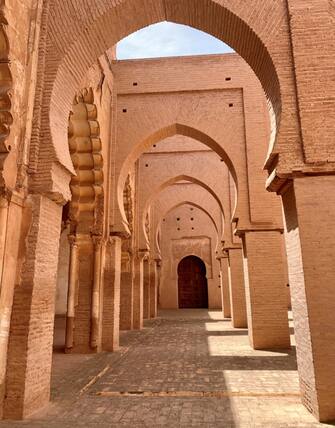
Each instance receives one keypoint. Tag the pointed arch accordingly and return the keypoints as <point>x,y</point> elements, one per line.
<point>170,131</point>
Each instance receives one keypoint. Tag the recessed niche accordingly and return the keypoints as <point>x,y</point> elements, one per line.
<point>134,83</point>
<point>124,110</point>
<point>154,145</point>
<point>178,218</point>
<point>146,165</point>
<point>228,79</point>
<point>178,228</point>
<point>192,218</point>
<point>192,228</point>
<point>231,105</point>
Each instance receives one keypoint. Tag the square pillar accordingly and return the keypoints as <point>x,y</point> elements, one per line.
<point>237,288</point>
<point>138,291</point>
<point>126,291</point>
<point>82,322</point>
<point>11,228</point>
<point>146,289</point>
<point>265,286</point>
<point>32,321</point>
<point>309,207</point>
<point>224,280</point>
<point>110,331</point>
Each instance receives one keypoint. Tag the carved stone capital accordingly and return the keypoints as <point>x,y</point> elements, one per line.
<point>98,241</point>
<point>142,254</point>
<point>73,240</point>
<point>123,234</point>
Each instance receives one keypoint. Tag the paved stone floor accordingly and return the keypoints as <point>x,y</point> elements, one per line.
<point>188,368</point>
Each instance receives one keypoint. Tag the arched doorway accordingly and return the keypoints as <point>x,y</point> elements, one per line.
<point>192,283</point>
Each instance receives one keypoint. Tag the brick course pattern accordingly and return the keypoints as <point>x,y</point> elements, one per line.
<point>50,50</point>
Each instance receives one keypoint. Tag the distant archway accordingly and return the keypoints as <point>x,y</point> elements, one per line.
<point>192,283</point>
<point>174,129</point>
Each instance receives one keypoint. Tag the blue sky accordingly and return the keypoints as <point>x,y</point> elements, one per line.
<point>168,39</point>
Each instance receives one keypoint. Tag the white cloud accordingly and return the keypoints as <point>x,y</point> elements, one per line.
<point>168,39</point>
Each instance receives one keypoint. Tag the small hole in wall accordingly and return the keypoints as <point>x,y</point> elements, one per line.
<point>228,79</point>
<point>192,228</point>
<point>146,165</point>
<point>231,105</point>
<point>178,228</point>
<point>192,218</point>
<point>178,218</point>
<point>221,160</point>
<point>154,145</point>
<point>191,209</point>
<point>134,83</point>
<point>124,110</point>
<point>163,219</point>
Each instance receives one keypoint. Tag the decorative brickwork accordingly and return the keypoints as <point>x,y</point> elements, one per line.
<point>174,136</point>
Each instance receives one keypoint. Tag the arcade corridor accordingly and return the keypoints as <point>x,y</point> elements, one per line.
<point>186,368</point>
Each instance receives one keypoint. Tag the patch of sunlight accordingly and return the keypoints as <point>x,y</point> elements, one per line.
<point>262,381</point>
<point>215,315</point>
<point>230,346</point>
<point>215,326</point>
<point>291,325</point>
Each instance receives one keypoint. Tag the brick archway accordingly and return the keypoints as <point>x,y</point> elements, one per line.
<point>174,180</point>
<point>172,208</point>
<point>170,182</point>
<point>175,129</point>
<point>88,33</point>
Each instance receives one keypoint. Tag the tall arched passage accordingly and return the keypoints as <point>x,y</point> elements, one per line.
<point>192,283</point>
<point>99,27</point>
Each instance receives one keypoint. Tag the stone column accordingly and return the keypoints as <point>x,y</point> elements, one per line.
<point>31,331</point>
<point>159,275</point>
<point>309,206</point>
<point>146,289</point>
<point>126,291</point>
<point>224,280</point>
<point>138,291</point>
<point>153,288</point>
<point>111,296</point>
<point>265,286</point>
<point>237,288</point>
<point>97,292</point>
<point>72,292</point>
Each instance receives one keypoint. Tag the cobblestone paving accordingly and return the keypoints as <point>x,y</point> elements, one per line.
<point>164,376</point>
